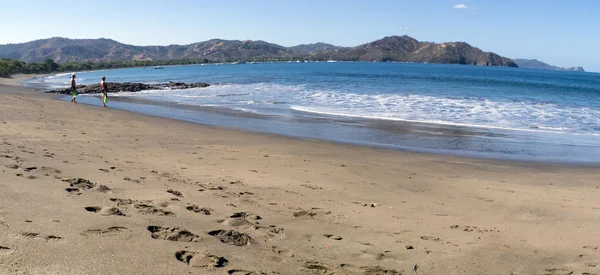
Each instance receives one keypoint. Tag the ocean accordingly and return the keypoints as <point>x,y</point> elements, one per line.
<point>489,112</point>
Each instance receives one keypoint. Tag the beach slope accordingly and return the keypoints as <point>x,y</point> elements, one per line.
<point>91,190</point>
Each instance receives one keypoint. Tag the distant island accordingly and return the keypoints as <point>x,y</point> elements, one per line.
<point>387,49</point>
<point>536,64</point>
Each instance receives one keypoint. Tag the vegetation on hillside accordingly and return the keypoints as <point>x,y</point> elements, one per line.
<point>88,54</point>
<point>97,54</point>
<point>9,66</point>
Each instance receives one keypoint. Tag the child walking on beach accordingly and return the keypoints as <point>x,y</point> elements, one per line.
<point>73,89</point>
<point>104,88</point>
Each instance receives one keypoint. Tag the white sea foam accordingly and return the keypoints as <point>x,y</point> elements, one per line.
<point>458,111</point>
<point>58,75</point>
<point>477,112</point>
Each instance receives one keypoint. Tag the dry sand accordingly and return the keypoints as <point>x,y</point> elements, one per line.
<point>169,197</point>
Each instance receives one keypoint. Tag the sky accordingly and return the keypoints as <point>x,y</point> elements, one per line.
<point>561,33</point>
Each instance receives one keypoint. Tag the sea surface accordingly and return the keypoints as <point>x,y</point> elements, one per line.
<point>491,112</point>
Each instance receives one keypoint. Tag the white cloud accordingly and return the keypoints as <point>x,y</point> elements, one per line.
<point>460,6</point>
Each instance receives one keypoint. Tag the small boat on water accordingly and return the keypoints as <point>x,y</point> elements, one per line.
<point>158,68</point>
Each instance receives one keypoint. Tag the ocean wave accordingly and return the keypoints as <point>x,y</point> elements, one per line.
<point>227,95</point>
<point>540,129</point>
<point>472,112</point>
<point>483,110</point>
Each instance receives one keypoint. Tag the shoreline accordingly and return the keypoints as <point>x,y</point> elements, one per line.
<point>308,206</point>
<point>347,135</point>
<point>17,79</point>
<point>526,140</point>
<point>453,152</point>
<point>425,152</point>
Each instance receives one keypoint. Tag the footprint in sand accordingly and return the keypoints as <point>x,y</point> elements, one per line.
<point>368,270</point>
<point>202,210</point>
<point>198,259</point>
<point>374,255</point>
<point>103,189</point>
<point>122,202</point>
<point>15,158</point>
<point>313,187</point>
<point>105,211</point>
<point>3,225</point>
<point>304,213</point>
<point>556,271</point>
<point>73,191</point>
<point>241,194</point>
<point>280,251</point>
<point>246,216</point>
<point>310,213</point>
<point>244,272</point>
<point>211,187</point>
<point>275,231</point>
<point>12,166</point>
<point>430,238</point>
<point>231,237</point>
<point>106,232</point>
<point>80,183</point>
<point>5,250</point>
<point>378,270</point>
<point>148,209</point>
<point>33,235</point>
<point>237,182</point>
<point>175,193</point>
<point>240,219</point>
<point>145,207</point>
<point>127,202</point>
<point>333,237</point>
<point>131,180</point>
<point>49,170</point>
<point>172,234</point>
<point>470,228</point>
<point>316,267</point>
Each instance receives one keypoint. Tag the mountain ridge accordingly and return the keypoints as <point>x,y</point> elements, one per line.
<point>391,48</point>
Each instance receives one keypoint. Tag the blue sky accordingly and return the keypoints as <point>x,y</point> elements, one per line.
<point>562,33</point>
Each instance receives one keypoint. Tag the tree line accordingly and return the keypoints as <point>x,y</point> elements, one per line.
<point>9,67</point>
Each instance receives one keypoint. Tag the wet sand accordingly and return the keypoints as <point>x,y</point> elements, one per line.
<point>92,190</point>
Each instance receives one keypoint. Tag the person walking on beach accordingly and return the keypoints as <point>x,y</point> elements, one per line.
<point>73,89</point>
<point>104,88</point>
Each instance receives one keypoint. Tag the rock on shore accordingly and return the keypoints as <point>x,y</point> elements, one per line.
<point>114,87</point>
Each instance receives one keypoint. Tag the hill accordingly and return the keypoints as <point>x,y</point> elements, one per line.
<point>408,49</point>
<point>63,50</point>
<point>307,49</point>
<point>536,64</point>
<point>393,48</point>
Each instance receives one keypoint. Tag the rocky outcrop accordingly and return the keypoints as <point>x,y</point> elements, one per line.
<point>114,87</point>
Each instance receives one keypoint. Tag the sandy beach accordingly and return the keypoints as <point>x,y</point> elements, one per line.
<point>92,190</point>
